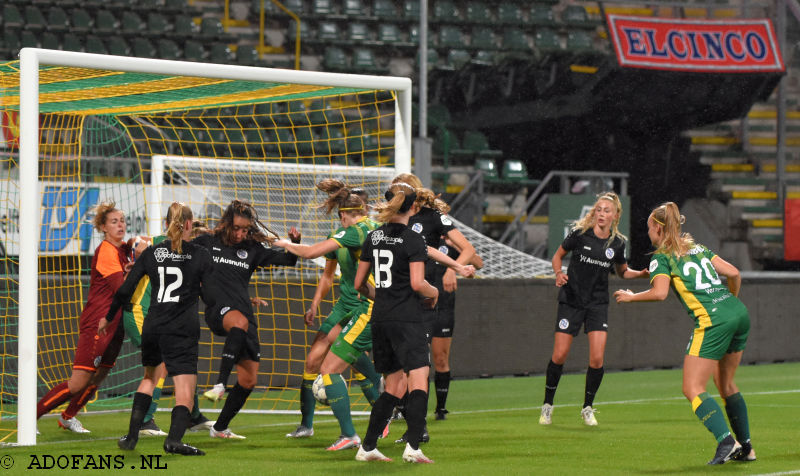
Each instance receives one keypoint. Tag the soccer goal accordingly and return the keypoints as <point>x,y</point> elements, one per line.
<point>80,128</point>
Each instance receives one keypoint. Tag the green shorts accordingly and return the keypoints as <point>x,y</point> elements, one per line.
<point>133,328</point>
<point>723,332</point>
<point>356,337</point>
<point>340,314</point>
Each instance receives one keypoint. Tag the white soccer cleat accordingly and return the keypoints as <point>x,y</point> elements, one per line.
<point>151,429</point>
<point>226,433</point>
<point>72,425</point>
<point>301,432</point>
<point>415,456</point>
<point>546,417</point>
<point>345,442</point>
<point>215,393</point>
<point>588,416</point>
<point>372,455</point>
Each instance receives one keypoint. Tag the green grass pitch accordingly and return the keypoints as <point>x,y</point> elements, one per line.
<point>646,427</point>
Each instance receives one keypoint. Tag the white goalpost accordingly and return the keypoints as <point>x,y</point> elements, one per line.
<point>30,221</point>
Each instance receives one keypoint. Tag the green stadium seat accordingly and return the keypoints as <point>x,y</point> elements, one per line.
<point>411,10</point>
<point>34,19</point>
<point>355,9</point>
<point>576,16</point>
<point>193,51</point>
<point>413,36</point>
<point>50,41</point>
<point>304,138</point>
<point>445,11</point>
<point>105,23</point>
<point>384,10</point>
<point>28,39</point>
<point>143,48</point>
<point>455,60</point>
<point>478,12</point>
<point>514,41</point>
<point>291,32</point>
<point>389,34</point>
<point>211,28</point>
<point>450,37</point>
<point>295,6</point>
<point>297,113</point>
<point>438,116</point>
<point>542,15</point>
<point>80,20</point>
<point>220,53</point>
<point>484,58</point>
<point>579,41</point>
<point>482,38</point>
<point>322,8</point>
<point>247,56</point>
<point>158,25</point>
<point>286,143</point>
<point>117,45</point>
<point>509,13</point>
<point>132,24</point>
<point>184,27</point>
<point>328,32</point>
<point>335,59</point>
<point>57,20</point>
<point>364,60</point>
<point>71,42</point>
<point>95,45</point>
<point>11,42</point>
<point>12,18</point>
<point>168,49</point>
<point>488,167</point>
<point>546,42</point>
<point>358,32</point>
<point>514,171</point>
<point>476,143</point>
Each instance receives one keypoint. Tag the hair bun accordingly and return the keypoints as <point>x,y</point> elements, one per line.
<point>682,220</point>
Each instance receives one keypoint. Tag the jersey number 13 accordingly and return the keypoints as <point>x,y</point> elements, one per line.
<point>383,263</point>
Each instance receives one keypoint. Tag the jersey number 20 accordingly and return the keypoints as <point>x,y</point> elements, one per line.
<point>707,269</point>
<point>165,292</point>
<point>383,272</point>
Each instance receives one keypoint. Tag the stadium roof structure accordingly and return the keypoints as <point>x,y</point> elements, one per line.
<point>97,91</point>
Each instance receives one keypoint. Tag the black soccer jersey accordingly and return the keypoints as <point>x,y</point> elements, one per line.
<point>233,266</point>
<point>390,249</point>
<point>440,269</point>
<point>176,280</point>
<point>589,266</point>
<point>432,225</point>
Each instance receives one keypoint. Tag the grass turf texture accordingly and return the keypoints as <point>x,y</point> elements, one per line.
<point>646,427</point>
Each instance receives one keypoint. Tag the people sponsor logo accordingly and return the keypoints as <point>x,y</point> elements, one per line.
<point>224,310</point>
<point>609,253</point>
<point>376,236</point>
<point>340,234</point>
<point>563,324</point>
<point>444,249</point>
<point>417,227</point>
<point>242,254</point>
<point>446,221</point>
<point>653,265</point>
<point>161,253</point>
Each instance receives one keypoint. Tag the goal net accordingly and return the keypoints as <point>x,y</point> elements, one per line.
<point>80,128</point>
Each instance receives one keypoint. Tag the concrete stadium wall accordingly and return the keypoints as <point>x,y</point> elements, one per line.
<point>506,327</point>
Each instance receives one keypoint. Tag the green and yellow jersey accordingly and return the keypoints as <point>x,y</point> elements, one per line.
<point>350,240</point>
<point>134,312</point>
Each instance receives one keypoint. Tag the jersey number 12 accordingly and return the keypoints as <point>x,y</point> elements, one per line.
<point>165,292</point>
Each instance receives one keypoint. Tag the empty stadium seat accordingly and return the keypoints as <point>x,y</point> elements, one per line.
<point>80,20</point>
<point>542,15</point>
<point>384,9</point>
<point>476,142</point>
<point>132,24</point>
<point>389,34</point>
<point>50,41</point>
<point>576,16</point>
<point>193,51</point>
<point>71,42</point>
<point>143,48</point>
<point>322,8</point>
<point>579,41</point>
<point>546,41</point>
<point>158,25</point>
<point>220,53</point>
<point>95,45</point>
<point>514,171</point>
<point>488,167</point>
<point>450,37</point>
<point>57,19</point>
<point>168,49</point>
<point>509,13</point>
<point>335,59</point>
<point>364,60</point>
<point>482,38</point>
<point>411,10</point>
<point>117,45</point>
<point>106,23</point>
<point>358,32</point>
<point>184,26</point>
<point>354,9</point>
<point>478,12</point>
<point>445,11</point>
<point>514,40</point>
<point>28,39</point>
<point>34,19</point>
<point>12,18</point>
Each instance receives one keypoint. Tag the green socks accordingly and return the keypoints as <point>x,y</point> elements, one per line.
<point>737,415</point>
<point>336,390</point>
<point>710,414</point>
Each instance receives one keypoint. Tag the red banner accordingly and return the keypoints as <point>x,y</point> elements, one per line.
<point>791,230</point>
<point>716,46</point>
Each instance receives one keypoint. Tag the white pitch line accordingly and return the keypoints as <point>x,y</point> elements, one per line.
<point>796,471</point>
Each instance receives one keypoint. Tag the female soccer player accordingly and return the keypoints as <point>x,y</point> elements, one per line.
<point>396,256</point>
<point>721,326</point>
<point>133,315</point>
<point>237,248</point>
<point>94,356</point>
<point>342,247</point>
<point>432,222</point>
<point>177,269</point>
<point>596,244</point>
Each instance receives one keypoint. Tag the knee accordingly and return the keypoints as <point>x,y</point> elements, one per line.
<point>247,380</point>
<point>441,362</point>
<point>596,362</point>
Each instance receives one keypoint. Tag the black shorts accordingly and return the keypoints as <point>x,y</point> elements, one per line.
<point>179,353</point>
<point>445,316</point>
<point>399,345</point>
<point>571,318</point>
<point>252,349</point>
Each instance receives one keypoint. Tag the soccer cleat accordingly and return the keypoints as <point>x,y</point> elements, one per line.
<point>345,442</point>
<point>215,393</point>
<point>181,448</point>
<point>397,414</point>
<point>546,417</point>
<point>301,432</point>
<point>201,423</point>
<point>588,416</point>
<point>725,450</point>
<point>440,414</point>
<point>127,443</point>
<point>426,437</point>
<point>746,453</point>
<point>226,433</point>
<point>151,429</point>
<point>415,455</point>
<point>372,455</point>
<point>72,424</point>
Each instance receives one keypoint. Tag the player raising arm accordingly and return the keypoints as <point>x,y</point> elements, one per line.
<point>722,325</point>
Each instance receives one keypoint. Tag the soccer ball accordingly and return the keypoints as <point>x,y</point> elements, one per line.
<point>318,389</point>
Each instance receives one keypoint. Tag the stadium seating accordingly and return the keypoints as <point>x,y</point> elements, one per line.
<point>168,49</point>
<point>105,23</point>
<point>322,8</point>
<point>95,45</point>
<point>509,13</point>
<point>220,53</point>
<point>482,38</point>
<point>34,19</point>
<point>364,61</point>
<point>450,37</point>
<point>50,41</point>
<point>71,42</point>
<point>117,45</point>
<point>12,18</point>
<point>335,59</point>
<point>143,48</point>
<point>478,12</point>
<point>445,11</point>
<point>184,27</point>
<point>355,9</point>
<point>384,10</point>
<point>193,51</point>
<point>542,15</point>
<point>411,10</point>
<point>488,167</point>
<point>57,20</point>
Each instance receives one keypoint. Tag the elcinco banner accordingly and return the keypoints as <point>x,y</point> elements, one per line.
<point>717,46</point>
